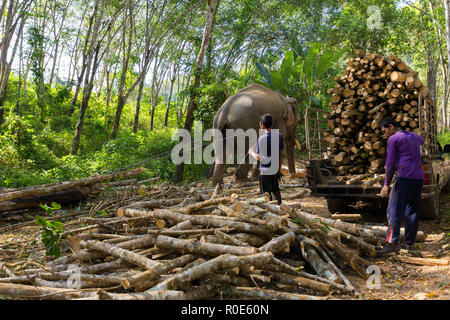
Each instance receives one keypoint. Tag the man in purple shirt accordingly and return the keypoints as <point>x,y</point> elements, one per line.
<point>404,159</point>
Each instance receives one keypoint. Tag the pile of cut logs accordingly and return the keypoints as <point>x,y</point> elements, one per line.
<point>204,244</point>
<point>372,87</point>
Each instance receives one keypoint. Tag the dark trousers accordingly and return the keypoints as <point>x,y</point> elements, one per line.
<point>269,183</point>
<point>404,203</point>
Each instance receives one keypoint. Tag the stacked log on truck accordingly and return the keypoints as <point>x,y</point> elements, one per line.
<point>372,87</point>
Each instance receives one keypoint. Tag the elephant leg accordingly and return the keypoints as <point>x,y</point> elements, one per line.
<point>241,173</point>
<point>255,171</point>
<point>290,156</point>
<point>219,169</point>
<point>219,165</point>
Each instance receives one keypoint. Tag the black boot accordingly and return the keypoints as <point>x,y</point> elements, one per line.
<point>387,249</point>
<point>410,249</point>
<point>278,196</point>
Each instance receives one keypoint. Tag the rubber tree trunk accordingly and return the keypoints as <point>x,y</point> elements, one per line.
<point>138,106</point>
<point>166,118</point>
<point>447,38</point>
<point>5,42</point>
<point>81,115</point>
<point>91,70</point>
<point>88,53</point>
<point>211,10</point>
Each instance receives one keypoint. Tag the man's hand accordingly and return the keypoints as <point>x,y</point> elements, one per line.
<point>385,191</point>
<point>422,134</point>
<point>255,155</point>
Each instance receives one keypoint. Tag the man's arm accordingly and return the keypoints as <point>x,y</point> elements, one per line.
<point>281,151</point>
<point>255,155</point>
<point>281,158</point>
<point>421,137</point>
<point>391,161</point>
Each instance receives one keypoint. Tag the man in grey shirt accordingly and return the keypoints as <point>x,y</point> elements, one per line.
<point>270,157</point>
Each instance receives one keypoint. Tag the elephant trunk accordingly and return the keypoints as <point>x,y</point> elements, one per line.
<point>290,155</point>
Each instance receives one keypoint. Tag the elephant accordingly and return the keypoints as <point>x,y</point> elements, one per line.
<point>243,111</point>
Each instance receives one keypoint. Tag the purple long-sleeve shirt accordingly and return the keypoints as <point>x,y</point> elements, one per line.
<point>403,154</point>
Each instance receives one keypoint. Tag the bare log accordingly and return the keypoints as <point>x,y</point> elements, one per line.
<point>279,243</point>
<point>211,266</point>
<point>376,178</point>
<point>320,266</point>
<point>205,291</point>
<point>86,255</point>
<point>153,295</point>
<point>143,281</point>
<point>266,294</point>
<point>336,269</point>
<point>346,216</point>
<point>232,240</point>
<point>357,178</point>
<point>199,247</point>
<point>26,291</point>
<point>211,202</point>
<point>200,220</point>
<point>362,245</point>
<point>354,261</point>
<point>67,185</point>
<point>423,261</point>
<point>120,253</point>
<point>301,282</point>
<point>228,278</point>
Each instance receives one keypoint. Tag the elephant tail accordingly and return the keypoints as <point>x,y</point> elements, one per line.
<point>222,127</point>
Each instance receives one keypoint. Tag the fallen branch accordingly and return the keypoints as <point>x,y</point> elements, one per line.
<point>265,294</point>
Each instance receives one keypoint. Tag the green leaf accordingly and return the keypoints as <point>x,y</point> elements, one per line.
<point>45,207</point>
<point>327,59</point>
<point>316,103</point>
<point>298,65</point>
<point>286,67</point>
<point>277,81</point>
<point>51,234</point>
<point>56,206</point>
<point>101,213</point>
<point>265,74</point>
<point>297,48</point>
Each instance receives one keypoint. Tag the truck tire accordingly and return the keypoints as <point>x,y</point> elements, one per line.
<point>336,205</point>
<point>429,208</point>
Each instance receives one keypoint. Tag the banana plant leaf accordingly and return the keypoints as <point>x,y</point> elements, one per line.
<point>265,74</point>
<point>277,81</point>
<point>287,67</point>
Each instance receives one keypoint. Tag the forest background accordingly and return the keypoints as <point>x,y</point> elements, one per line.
<point>93,86</point>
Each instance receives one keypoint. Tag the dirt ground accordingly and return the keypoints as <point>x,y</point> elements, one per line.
<point>21,248</point>
<point>403,280</point>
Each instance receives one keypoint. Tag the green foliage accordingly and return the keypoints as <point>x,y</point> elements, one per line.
<point>36,42</point>
<point>212,96</point>
<point>262,47</point>
<point>303,74</point>
<point>52,232</point>
<point>444,137</point>
<point>54,206</point>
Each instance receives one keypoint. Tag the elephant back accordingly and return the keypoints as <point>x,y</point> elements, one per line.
<point>244,109</point>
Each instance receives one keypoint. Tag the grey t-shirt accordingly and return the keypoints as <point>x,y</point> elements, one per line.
<point>268,143</point>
